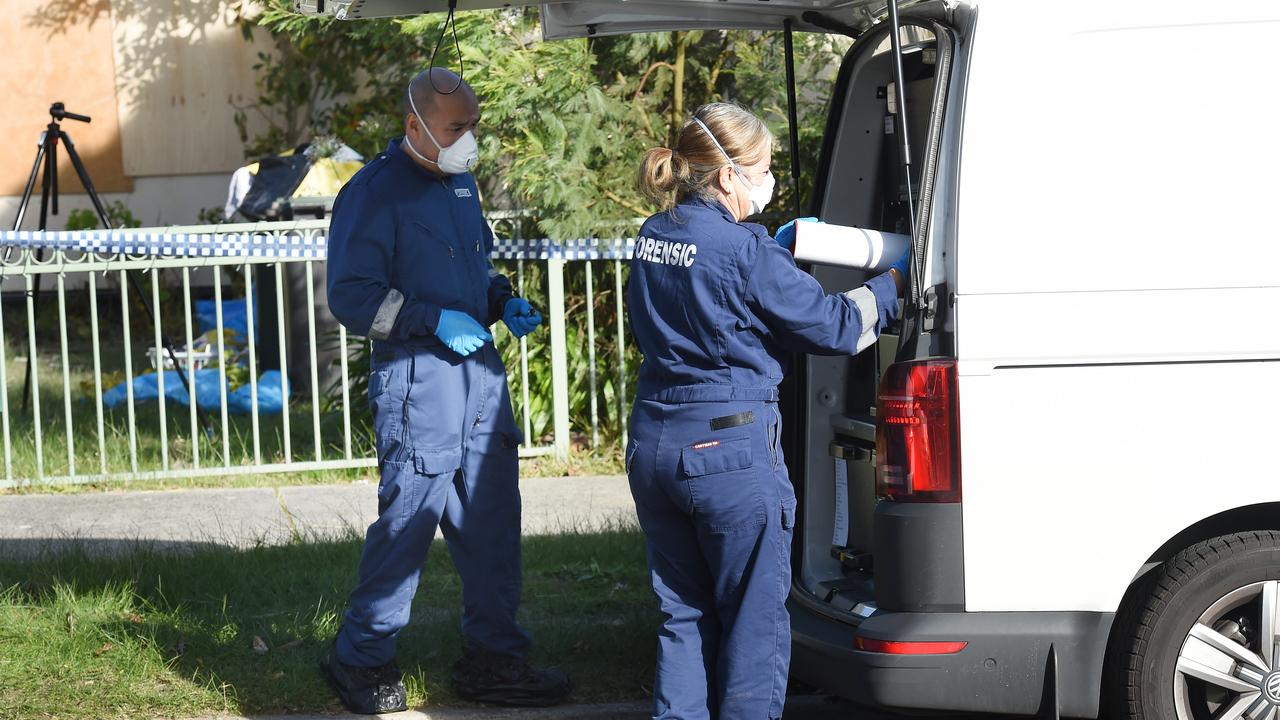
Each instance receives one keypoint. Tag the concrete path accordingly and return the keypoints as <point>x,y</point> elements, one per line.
<point>110,522</point>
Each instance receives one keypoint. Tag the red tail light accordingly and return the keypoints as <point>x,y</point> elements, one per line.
<point>890,647</point>
<point>918,433</point>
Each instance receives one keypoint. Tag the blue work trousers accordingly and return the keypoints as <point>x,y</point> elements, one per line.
<point>446,441</point>
<point>717,510</point>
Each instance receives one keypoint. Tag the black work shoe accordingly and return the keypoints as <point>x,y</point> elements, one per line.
<point>483,677</point>
<point>366,691</point>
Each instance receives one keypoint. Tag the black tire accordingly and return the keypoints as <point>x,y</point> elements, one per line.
<point>1150,631</point>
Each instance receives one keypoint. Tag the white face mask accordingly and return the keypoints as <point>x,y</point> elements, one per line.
<point>758,195</point>
<point>456,159</point>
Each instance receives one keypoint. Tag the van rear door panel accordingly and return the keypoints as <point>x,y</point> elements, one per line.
<point>1118,304</point>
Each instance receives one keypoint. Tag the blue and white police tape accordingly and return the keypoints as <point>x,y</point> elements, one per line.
<point>295,244</point>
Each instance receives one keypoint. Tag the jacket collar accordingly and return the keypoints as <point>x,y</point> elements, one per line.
<point>398,154</point>
<point>714,205</point>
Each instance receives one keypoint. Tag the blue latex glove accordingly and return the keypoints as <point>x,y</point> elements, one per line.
<point>461,333</point>
<point>786,235</point>
<point>901,264</point>
<point>520,317</point>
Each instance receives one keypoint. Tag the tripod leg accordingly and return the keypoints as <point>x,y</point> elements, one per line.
<point>53,163</point>
<point>50,172</point>
<point>31,185</point>
<point>48,191</point>
<point>17,223</point>
<point>83,174</point>
<point>35,313</point>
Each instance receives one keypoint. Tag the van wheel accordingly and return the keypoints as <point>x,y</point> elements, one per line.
<point>1202,641</point>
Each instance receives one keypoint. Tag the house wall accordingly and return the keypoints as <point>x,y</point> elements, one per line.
<point>161,79</point>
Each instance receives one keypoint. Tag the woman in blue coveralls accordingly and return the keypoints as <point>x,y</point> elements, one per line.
<point>716,306</point>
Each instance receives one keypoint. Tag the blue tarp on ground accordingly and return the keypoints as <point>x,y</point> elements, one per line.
<point>239,401</point>
<point>235,317</point>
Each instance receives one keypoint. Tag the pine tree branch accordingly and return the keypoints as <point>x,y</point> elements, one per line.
<point>645,77</point>
<point>626,203</point>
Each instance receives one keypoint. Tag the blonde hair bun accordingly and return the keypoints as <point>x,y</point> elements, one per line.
<point>670,176</point>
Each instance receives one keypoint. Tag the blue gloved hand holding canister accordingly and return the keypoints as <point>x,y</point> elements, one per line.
<point>786,235</point>
<point>461,333</point>
<point>520,317</point>
<point>901,264</point>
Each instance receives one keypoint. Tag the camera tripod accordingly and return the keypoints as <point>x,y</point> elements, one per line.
<point>47,157</point>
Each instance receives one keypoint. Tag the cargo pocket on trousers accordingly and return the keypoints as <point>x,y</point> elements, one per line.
<point>437,462</point>
<point>429,467</point>
<point>789,514</point>
<point>724,487</point>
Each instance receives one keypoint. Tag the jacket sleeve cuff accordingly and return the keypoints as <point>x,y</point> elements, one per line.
<point>888,306</point>
<point>415,319</point>
<point>430,319</point>
<point>499,293</point>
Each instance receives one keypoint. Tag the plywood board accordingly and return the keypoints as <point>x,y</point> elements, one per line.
<point>58,50</point>
<point>182,66</point>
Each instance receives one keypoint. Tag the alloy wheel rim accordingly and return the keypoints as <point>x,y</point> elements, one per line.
<point>1229,665</point>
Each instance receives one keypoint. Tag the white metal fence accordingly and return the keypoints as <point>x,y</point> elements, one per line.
<point>120,267</point>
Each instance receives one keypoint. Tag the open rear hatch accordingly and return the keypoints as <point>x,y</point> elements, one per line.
<point>583,18</point>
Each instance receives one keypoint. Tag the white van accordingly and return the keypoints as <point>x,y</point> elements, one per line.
<point>1078,498</point>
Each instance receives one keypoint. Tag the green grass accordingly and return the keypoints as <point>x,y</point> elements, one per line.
<point>581,462</point>
<point>149,635</point>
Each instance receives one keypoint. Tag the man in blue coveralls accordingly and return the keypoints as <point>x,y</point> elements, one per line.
<point>409,267</point>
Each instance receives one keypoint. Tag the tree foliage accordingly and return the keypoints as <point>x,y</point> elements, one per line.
<point>322,76</point>
<point>564,124</point>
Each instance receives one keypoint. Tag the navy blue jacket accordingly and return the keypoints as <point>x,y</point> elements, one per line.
<point>717,305</point>
<point>404,244</point>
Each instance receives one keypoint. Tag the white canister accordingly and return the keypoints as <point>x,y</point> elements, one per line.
<point>845,246</point>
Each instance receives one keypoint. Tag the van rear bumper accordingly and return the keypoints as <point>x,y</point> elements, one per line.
<point>1012,663</point>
